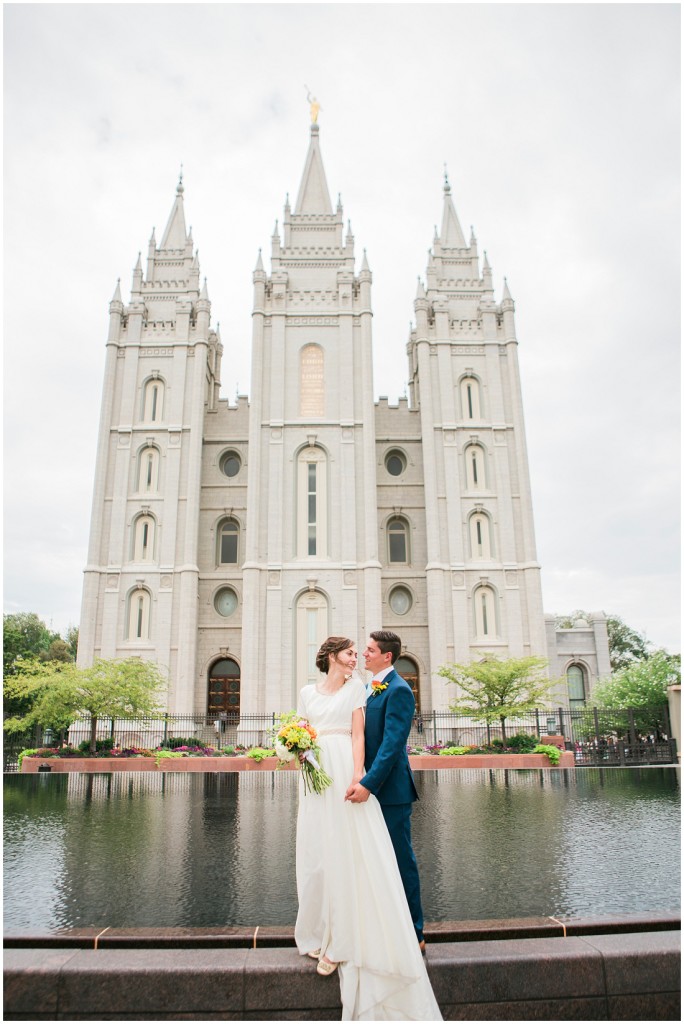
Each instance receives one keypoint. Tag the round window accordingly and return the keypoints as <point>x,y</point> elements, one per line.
<point>226,601</point>
<point>230,463</point>
<point>400,600</point>
<point>395,462</point>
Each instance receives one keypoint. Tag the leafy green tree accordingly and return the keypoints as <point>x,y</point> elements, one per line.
<point>71,637</point>
<point>24,636</point>
<point>625,644</point>
<point>59,692</point>
<point>495,689</point>
<point>642,685</point>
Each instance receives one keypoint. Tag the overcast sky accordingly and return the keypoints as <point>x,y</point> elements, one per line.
<point>559,125</point>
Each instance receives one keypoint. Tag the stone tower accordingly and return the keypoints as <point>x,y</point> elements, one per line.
<point>311,561</point>
<point>162,368</point>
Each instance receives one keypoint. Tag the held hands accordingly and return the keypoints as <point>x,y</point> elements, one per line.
<point>357,794</point>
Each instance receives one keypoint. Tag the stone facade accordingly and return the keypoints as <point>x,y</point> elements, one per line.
<point>228,540</point>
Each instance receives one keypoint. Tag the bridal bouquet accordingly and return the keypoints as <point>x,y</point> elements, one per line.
<point>294,737</point>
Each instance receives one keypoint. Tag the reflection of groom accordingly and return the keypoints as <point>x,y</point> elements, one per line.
<point>389,713</point>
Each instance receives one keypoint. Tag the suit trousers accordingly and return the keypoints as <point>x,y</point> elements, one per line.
<point>398,820</point>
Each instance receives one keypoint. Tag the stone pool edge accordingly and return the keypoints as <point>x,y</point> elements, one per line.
<point>607,975</point>
<point>418,762</point>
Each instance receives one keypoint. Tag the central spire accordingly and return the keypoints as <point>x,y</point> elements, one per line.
<point>313,194</point>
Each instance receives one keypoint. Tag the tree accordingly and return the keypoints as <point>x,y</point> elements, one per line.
<point>496,689</point>
<point>642,685</point>
<point>71,637</point>
<point>625,644</point>
<point>60,691</point>
<point>24,636</point>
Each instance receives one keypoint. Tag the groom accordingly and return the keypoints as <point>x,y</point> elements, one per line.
<point>389,713</point>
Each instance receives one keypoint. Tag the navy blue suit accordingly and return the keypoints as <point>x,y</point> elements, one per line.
<point>388,776</point>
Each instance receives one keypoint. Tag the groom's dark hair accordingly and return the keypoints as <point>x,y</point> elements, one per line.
<point>387,641</point>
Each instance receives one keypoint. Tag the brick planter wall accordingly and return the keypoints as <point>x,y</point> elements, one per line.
<point>421,762</point>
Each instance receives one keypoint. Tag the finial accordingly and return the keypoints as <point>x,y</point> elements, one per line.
<point>447,186</point>
<point>179,188</point>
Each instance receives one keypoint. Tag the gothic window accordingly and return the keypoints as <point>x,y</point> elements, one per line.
<point>153,406</point>
<point>228,542</point>
<point>398,548</point>
<point>143,538</point>
<point>475,468</point>
<point>480,535</point>
<point>470,398</point>
<point>576,686</point>
<point>312,629</point>
<point>312,509</point>
<point>485,613</point>
<point>311,382</point>
<point>138,622</point>
<point>148,470</point>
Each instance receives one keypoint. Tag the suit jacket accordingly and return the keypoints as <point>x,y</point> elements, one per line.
<point>388,722</point>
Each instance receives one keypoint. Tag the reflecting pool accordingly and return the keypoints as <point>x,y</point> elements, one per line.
<point>136,850</point>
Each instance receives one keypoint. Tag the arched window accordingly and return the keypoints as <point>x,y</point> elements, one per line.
<point>475,468</point>
<point>312,509</point>
<point>143,538</point>
<point>480,535</point>
<point>408,670</point>
<point>312,629</point>
<point>576,686</point>
<point>153,405</point>
<point>224,689</point>
<point>148,470</point>
<point>138,620</point>
<point>398,541</point>
<point>470,398</point>
<point>311,382</point>
<point>484,602</point>
<point>228,536</point>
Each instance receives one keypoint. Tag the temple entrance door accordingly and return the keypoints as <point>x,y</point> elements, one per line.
<point>224,689</point>
<point>408,670</point>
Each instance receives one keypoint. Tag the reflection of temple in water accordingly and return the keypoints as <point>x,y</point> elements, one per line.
<point>227,540</point>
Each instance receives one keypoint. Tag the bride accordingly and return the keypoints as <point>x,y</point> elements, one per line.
<point>353,915</point>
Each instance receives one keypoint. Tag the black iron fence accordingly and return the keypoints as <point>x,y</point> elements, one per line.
<point>596,737</point>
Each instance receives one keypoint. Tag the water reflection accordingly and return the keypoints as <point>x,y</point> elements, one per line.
<point>174,849</point>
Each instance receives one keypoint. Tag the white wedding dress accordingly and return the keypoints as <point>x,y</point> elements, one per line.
<point>352,904</point>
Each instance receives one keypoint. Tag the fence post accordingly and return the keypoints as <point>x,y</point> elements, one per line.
<point>434,727</point>
<point>632,728</point>
<point>560,722</point>
<point>166,729</point>
<point>596,727</point>
<point>536,716</point>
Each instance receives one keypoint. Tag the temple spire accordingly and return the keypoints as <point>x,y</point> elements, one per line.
<point>313,194</point>
<point>451,235</point>
<point>175,235</point>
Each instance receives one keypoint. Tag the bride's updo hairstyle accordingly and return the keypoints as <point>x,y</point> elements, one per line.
<point>333,645</point>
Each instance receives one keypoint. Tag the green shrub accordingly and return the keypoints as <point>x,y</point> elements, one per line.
<point>106,744</point>
<point>259,753</point>
<point>497,743</point>
<point>29,752</point>
<point>523,742</point>
<point>182,741</point>
<point>455,750</point>
<point>164,752</point>
<point>553,753</point>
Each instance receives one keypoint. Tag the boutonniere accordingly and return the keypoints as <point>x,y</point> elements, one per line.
<point>378,687</point>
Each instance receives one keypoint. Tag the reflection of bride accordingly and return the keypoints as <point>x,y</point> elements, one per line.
<point>352,907</point>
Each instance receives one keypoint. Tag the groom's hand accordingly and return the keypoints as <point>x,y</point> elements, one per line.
<point>357,794</point>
